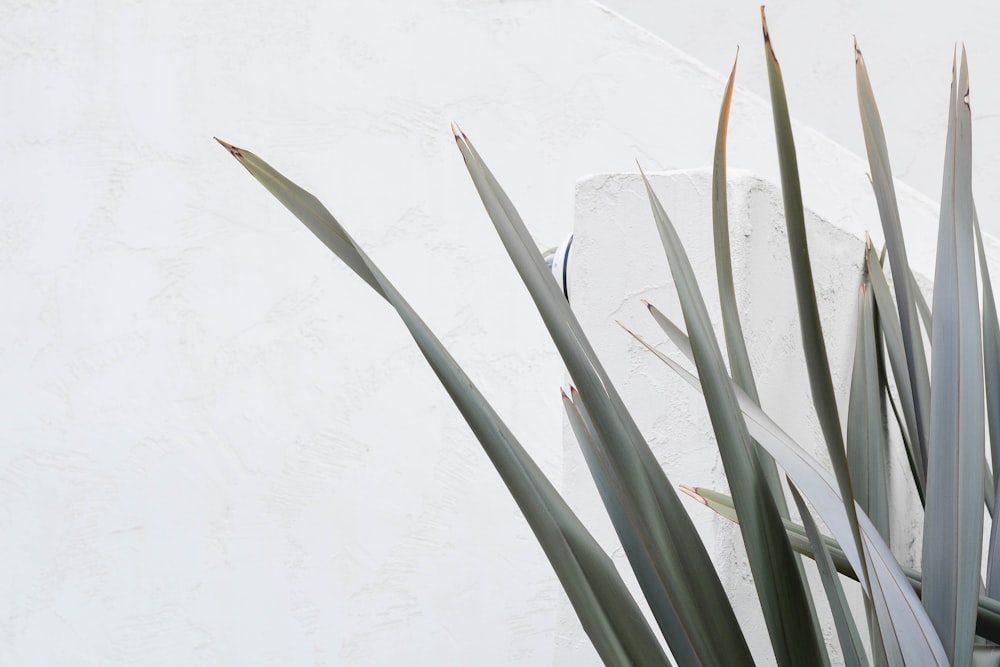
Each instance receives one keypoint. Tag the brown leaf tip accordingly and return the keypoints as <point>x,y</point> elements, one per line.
<point>457,131</point>
<point>693,492</point>
<point>232,149</point>
<point>763,20</point>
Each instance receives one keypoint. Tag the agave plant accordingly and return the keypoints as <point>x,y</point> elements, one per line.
<point>942,614</point>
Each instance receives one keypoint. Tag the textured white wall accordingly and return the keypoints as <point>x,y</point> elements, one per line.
<point>908,49</point>
<point>217,446</point>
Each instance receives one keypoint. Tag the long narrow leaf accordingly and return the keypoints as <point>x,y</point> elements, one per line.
<point>906,627</point>
<point>885,197</point>
<point>991,366</point>
<point>987,614</point>
<point>606,609</point>
<point>953,520</point>
<point>739,359</point>
<point>847,631</point>
<point>609,485</point>
<point>817,363</point>
<point>783,596</point>
<point>893,336</point>
<point>866,442</point>
<point>670,542</point>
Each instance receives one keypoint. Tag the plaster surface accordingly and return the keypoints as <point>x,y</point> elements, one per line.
<point>908,49</point>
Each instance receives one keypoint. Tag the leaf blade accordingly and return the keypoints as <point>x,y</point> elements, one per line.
<point>954,508</point>
<point>906,301</point>
<point>906,624</point>
<point>668,536</point>
<point>606,609</point>
<point>783,597</point>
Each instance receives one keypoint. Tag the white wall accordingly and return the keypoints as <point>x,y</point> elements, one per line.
<point>218,446</point>
<point>908,49</point>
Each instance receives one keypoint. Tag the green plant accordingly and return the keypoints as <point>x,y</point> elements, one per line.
<point>939,615</point>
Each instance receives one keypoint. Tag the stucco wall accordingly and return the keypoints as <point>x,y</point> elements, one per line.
<point>908,49</point>
<point>218,447</point>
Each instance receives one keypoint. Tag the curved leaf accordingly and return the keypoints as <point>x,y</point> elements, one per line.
<point>669,540</point>
<point>906,300</point>
<point>783,597</point>
<point>906,628</point>
<point>606,609</point>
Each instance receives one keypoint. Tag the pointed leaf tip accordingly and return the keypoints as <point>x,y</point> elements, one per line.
<point>457,131</point>
<point>232,149</point>
<point>629,331</point>
<point>693,492</point>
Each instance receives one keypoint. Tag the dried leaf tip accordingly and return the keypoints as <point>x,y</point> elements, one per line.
<point>857,50</point>
<point>229,147</point>
<point>965,75</point>
<point>563,393</point>
<point>693,492</point>
<point>868,242</point>
<point>457,131</point>
<point>763,20</point>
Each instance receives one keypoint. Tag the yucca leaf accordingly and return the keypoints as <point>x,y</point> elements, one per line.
<point>609,485</point>
<point>783,597</point>
<point>684,571</point>
<point>988,611</point>
<point>817,363</point>
<point>953,518</point>
<point>814,346</point>
<point>739,359</point>
<point>991,351</point>
<point>866,441</point>
<point>719,503</point>
<point>910,458</point>
<point>893,336</point>
<point>847,632</point>
<point>606,609</point>
<point>991,366</point>
<point>885,197</point>
<point>906,627</point>
<point>926,317</point>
